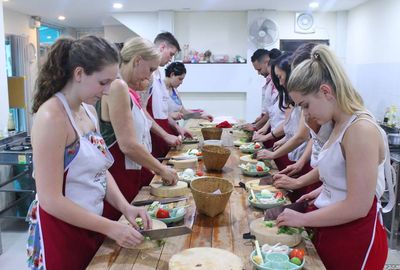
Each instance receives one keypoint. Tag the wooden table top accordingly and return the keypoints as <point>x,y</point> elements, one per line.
<point>224,231</point>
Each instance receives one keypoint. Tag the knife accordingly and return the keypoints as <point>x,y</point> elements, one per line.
<point>273,213</point>
<point>162,201</point>
<point>191,115</point>
<point>165,233</point>
<point>266,180</point>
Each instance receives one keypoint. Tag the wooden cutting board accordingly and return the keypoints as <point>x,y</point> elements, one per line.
<point>147,244</point>
<point>159,190</point>
<point>254,185</point>
<point>270,236</point>
<point>205,258</point>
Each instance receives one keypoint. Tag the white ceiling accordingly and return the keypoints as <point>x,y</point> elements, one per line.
<point>92,13</point>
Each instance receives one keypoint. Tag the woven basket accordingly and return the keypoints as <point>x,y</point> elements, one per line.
<point>207,203</point>
<point>215,157</point>
<point>212,133</point>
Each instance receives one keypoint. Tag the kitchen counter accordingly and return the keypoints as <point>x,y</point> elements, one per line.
<point>224,231</point>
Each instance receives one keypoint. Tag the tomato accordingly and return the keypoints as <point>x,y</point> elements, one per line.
<point>297,252</point>
<point>256,146</point>
<point>199,173</point>
<point>278,195</point>
<point>162,213</point>
<point>199,154</point>
<point>259,169</point>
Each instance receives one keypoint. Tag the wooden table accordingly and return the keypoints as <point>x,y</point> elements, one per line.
<point>224,231</point>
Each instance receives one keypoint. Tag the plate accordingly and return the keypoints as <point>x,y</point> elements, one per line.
<point>262,205</point>
<point>275,261</point>
<point>246,148</point>
<point>173,218</point>
<point>257,173</point>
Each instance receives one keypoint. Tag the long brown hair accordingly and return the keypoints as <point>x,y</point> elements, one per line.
<point>91,53</point>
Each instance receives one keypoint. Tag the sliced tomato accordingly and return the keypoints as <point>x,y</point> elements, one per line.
<point>256,146</point>
<point>297,253</point>
<point>162,213</point>
<point>199,154</point>
<point>259,169</point>
<point>278,195</point>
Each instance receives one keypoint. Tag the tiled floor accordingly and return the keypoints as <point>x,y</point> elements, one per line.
<point>14,234</point>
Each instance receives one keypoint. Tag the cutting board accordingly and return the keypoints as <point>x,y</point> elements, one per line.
<point>147,244</point>
<point>270,236</point>
<point>205,258</point>
<point>159,190</point>
<point>254,185</point>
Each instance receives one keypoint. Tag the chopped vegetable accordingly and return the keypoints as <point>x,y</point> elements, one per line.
<point>295,260</point>
<point>259,168</point>
<point>257,259</point>
<point>278,195</point>
<point>162,213</point>
<point>154,206</point>
<point>289,230</point>
<point>269,224</point>
<point>139,222</point>
<point>297,253</point>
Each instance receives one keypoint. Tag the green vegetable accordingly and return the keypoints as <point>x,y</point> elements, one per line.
<point>295,260</point>
<point>160,242</point>
<point>139,222</point>
<point>289,230</point>
<point>269,224</point>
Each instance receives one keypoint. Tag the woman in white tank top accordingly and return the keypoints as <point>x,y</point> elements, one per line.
<point>350,166</point>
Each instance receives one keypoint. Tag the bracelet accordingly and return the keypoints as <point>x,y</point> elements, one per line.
<point>273,135</point>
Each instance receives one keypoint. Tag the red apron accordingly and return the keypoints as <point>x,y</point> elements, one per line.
<point>160,147</point>
<point>281,162</point>
<point>128,181</point>
<point>360,244</point>
<point>146,177</point>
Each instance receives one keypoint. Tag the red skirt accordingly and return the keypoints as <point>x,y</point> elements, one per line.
<point>296,194</point>
<point>66,246</point>
<point>360,244</point>
<point>128,181</point>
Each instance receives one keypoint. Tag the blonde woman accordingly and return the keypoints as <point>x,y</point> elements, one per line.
<point>351,166</point>
<point>126,126</point>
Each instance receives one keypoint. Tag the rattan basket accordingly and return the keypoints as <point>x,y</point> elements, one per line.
<point>207,203</point>
<point>211,133</point>
<point>215,157</point>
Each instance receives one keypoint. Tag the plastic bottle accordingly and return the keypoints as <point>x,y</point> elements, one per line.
<point>386,117</point>
<point>10,123</point>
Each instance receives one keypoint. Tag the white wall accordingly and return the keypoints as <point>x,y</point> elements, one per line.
<point>220,32</point>
<point>372,53</point>
<point>118,33</point>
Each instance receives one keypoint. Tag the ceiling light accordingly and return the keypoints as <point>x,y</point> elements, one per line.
<point>48,37</point>
<point>61,18</point>
<point>117,5</point>
<point>314,5</point>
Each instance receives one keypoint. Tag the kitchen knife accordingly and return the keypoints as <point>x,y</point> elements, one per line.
<point>162,201</point>
<point>266,180</point>
<point>273,213</point>
<point>191,115</point>
<point>165,233</point>
<point>182,157</point>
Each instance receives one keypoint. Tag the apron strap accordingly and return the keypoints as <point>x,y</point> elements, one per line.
<point>64,102</point>
<point>91,116</point>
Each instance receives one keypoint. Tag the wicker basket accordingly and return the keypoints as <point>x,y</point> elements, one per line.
<point>215,157</point>
<point>207,203</point>
<point>211,133</point>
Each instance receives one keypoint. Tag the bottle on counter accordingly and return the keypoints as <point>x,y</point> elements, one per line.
<point>386,117</point>
<point>10,123</point>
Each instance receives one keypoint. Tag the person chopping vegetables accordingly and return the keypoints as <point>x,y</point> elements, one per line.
<point>354,166</point>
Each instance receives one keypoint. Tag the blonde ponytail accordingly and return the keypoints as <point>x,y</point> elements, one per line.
<point>324,68</point>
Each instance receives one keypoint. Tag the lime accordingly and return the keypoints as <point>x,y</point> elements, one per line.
<point>295,260</point>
